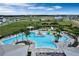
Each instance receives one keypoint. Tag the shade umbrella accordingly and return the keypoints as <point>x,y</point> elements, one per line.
<point>52,28</point>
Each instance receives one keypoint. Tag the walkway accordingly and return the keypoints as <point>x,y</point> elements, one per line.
<point>47,52</point>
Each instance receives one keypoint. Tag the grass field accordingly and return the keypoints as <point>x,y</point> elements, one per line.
<point>15,27</point>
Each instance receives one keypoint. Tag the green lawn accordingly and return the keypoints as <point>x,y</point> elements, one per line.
<point>14,28</point>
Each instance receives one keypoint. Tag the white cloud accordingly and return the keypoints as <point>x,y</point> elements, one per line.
<point>8,9</point>
<point>54,8</point>
<point>57,7</point>
<point>41,8</point>
<point>36,7</point>
<point>4,9</point>
<point>50,9</point>
<point>18,4</point>
<point>44,8</point>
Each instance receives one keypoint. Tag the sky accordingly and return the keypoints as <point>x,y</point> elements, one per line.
<point>39,8</point>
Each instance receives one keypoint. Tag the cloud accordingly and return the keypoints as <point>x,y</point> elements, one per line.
<point>36,7</point>
<point>50,9</point>
<point>8,9</point>
<point>40,8</point>
<point>18,4</point>
<point>54,8</point>
<point>57,7</point>
<point>7,12</point>
<point>4,9</point>
<point>44,8</point>
<point>12,8</point>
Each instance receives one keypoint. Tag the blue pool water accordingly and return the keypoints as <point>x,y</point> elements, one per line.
<point>40,41</point>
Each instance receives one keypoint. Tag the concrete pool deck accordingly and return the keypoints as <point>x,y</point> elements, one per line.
<point>64,51</point>
<point>22,50</point>
<point>13,50</point>
<point>44,50</point>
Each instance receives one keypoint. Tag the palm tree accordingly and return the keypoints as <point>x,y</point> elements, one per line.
<point>26,33</point>
<point>57,35</point>
<point>22,33</point>
<point>16,33</point>
<point>57,38</point>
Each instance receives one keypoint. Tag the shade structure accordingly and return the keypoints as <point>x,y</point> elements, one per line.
<point>30,27</point>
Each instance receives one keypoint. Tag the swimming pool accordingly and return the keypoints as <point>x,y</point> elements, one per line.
<point>40,41</point>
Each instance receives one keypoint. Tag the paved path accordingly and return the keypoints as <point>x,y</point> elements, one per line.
<point>45,50</point>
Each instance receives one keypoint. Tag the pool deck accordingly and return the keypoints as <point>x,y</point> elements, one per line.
<point>13,50</point>
<point>44,50</point>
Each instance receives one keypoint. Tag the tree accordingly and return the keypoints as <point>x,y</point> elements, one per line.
<point>58,30</point>
<point>22,33</point>
<point>15,33</point>
<point>57,38</point>
<point>26,32</point>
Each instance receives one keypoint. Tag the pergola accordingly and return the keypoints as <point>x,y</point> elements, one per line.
<point>30,27</point>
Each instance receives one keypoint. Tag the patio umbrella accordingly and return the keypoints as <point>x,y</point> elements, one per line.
<point>52,28</point>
